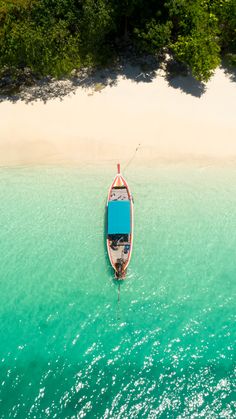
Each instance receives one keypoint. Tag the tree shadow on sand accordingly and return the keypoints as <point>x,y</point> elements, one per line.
<point>229,70</point>
<point>93,80</point>
<point>178,76</point>
<point>137,69</point>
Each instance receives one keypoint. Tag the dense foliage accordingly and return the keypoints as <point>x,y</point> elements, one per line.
<point>55,36</point>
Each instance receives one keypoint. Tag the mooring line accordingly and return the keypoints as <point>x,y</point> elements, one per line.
<point>118,303</point>
<point>118,293</point>
<point>132,158</point>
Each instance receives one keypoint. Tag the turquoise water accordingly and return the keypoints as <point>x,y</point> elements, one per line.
<point>67,349</point>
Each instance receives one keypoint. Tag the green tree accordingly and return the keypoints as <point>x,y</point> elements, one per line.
<point>195,36</point>
<point>96,24</point>
<point>225,10</point>
<point>126,11</point>
<point>154,36</point>
<point>200,52</point>
<point>42,41</point>
<point>54,36</point>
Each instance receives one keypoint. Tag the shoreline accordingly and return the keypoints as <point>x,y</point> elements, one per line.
<point>199,162</point>
<point>107,125</point>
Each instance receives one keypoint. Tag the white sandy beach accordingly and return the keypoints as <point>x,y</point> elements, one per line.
<point>90,126</point>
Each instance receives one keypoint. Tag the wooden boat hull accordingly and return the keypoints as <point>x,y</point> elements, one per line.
<point>120,242</point>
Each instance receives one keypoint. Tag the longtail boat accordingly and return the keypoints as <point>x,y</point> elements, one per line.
<point>119,225</point>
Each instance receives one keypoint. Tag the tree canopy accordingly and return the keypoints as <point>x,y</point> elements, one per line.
<point>52,37</point>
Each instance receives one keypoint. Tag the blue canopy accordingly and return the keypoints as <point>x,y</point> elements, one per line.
<point>119,217</point>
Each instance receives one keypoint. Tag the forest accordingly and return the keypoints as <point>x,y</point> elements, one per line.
<point>53,37</point>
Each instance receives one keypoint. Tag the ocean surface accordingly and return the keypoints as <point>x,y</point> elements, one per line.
<point>68,348</point>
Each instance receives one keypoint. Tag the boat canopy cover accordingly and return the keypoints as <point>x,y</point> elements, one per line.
<point>119,217</point>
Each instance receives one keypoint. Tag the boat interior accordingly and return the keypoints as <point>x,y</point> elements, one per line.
<point>119,194</point>
<point>119,246</point>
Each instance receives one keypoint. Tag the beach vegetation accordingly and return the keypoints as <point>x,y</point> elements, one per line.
<point>53,37</point>
<point>154,37</point>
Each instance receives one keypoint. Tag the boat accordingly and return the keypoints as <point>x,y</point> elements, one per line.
<point>119,234</point>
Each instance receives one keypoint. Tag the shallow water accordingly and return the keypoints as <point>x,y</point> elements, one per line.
<point>67,348</point>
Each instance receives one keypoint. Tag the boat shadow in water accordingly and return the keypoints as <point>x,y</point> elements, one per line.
<point>109,269</point>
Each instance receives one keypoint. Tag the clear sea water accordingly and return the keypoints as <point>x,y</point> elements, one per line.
<point>67,348</point>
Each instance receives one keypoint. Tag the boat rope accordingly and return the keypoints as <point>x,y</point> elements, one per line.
<point>118,303</point>
<point>118,293</point>
<point>132,157</point>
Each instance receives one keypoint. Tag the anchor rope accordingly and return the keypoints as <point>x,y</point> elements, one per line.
<point>118,293</point>
<point>118,303</point>
<point>132,157</point>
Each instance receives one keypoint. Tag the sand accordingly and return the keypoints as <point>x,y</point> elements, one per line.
<point>169,120</point>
